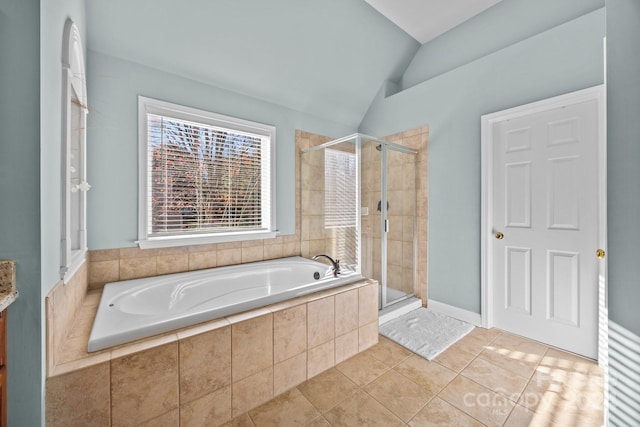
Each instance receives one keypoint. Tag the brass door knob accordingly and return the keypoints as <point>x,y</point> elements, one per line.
<point>600,254</point>
<point>499,236</point>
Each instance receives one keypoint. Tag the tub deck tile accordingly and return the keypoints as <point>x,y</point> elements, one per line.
<point>247,315</point>
<point>202,328</point>
<point>142,345</point>
<point>86,362</point>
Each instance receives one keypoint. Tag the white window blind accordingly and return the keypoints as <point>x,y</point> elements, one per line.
<point>340,190</point>
<point>203,178</point>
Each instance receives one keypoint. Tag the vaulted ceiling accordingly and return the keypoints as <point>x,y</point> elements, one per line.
<point>425,20</point>
<point>326,58</point>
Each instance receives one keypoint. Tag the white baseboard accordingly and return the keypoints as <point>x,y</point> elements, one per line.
<point>455,312</point>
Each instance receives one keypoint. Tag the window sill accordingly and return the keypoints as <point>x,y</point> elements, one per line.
<point>77,260</point>
<point>173,241</point>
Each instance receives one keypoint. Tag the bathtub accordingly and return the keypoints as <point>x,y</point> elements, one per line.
<point>135,309</point>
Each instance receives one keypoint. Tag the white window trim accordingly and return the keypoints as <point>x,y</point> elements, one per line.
<point>154,106</point>
<point>75,85</point>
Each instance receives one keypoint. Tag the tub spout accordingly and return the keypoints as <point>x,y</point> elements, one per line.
<point>334,263</point>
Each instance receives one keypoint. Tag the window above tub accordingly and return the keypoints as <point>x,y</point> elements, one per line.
<point>203,177</point>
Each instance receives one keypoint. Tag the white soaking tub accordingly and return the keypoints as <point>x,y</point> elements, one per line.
<point>135,309</point>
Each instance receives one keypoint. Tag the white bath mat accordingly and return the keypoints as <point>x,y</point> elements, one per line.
<point>425,332</point>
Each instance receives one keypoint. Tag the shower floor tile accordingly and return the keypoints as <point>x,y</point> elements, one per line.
<point>546,393</point>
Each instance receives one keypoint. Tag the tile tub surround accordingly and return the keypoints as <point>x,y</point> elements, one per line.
<point>209,373</point>
<point>61,306</point>
<point>8,291</point>
<point>113,265</point>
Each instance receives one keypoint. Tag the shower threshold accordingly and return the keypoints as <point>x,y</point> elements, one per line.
<point>398,309</point>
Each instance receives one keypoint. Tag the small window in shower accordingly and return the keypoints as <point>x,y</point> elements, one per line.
<point>340,204</point>
<point>340,189</point>
<point>204,178</point>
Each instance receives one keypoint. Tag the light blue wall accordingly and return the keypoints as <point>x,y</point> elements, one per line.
<point>623,139</point>
<point>563,59</point>
<point>623,92</point>
<point>20,206</point>
<point>53,15</point>
<point>324,58</point>
<point>502,25</point>
<point>114,86</point>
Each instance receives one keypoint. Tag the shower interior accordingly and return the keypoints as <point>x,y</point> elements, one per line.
<point>358,204</point>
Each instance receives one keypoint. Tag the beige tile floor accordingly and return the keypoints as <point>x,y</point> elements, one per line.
<point>489,377</point>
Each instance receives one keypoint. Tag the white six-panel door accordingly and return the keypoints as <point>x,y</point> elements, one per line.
<point>543,222</point>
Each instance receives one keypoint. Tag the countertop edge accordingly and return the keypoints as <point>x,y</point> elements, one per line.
<point>8,291</point>
<point>7,300</point>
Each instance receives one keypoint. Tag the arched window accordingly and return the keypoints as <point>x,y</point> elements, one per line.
<point>74,134</point>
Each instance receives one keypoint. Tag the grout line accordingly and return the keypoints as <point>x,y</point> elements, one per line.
<point>451,403</point>
<point>110,392</point>
<point>457,374</point>
<point>421,408</point>
<point>308,401</point>
<point>510,412</point>
<point>273,355</point>
<point>178,378</point>
<point>355,390</point>
<point>386,407</point>
<point>248,416</point>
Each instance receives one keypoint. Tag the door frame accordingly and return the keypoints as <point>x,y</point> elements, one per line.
<point>384,217</point>
<point>596,93</point>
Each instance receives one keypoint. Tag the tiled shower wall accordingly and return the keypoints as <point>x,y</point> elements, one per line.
<point>337,242</point>
<point>407,238</point>
<point>401,212</point>
<point>418,140</point>
<point>311,190</point>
